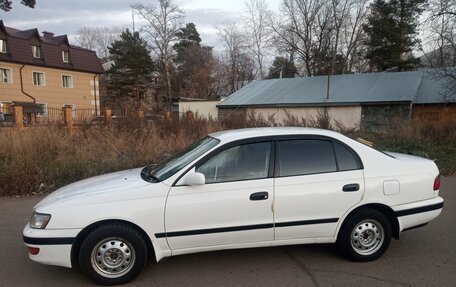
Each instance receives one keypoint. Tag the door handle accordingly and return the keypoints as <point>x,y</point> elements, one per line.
<point>350,187</point>
<point>263,195</point>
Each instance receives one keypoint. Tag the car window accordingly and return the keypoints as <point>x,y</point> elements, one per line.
<point>242,162</point>
<point>345,158</point>
<point>300,157</point>
<point>180,160</point>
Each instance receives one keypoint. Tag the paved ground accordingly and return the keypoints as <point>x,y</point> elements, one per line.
<point>423,257</point>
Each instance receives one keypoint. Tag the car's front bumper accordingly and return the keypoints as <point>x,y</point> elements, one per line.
<point>418,213</point>
<point>54,244</point>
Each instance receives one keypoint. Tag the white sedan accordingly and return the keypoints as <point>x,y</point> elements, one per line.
<point>236,189</point>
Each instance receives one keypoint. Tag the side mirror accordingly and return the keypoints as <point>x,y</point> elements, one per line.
<point>194,179</point>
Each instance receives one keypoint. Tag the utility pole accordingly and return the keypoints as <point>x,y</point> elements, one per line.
<point>133,19</point>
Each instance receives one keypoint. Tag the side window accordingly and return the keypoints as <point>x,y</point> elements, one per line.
<point>300,157</point>
<point>345,158</point>
<point>248,161</point>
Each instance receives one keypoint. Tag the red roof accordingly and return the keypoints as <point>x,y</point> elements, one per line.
<point>19,51</point>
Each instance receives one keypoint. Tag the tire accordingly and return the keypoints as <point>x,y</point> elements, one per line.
<point>113,254</point>
<point>364,236</point>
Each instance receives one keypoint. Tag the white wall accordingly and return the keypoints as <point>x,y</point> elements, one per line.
<point>205,109</point>
<point>349,117</point>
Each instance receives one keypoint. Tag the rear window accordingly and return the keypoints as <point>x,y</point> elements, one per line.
<point>301,157</point>
<point>345,158</point>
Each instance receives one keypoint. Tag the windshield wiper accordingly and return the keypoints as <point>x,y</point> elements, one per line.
<point>153,178</point>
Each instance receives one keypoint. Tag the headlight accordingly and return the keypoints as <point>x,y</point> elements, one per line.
<point>39,220</point>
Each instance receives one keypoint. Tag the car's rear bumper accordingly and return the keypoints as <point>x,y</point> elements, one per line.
<point>418,213</point>
<point>54,245</point>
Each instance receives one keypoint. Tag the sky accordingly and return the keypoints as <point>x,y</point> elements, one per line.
<point>67,16</point>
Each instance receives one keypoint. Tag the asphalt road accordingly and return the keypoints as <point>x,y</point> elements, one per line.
<point>422,257</point>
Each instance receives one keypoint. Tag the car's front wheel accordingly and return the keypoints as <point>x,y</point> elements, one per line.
<point>365,235</point>
<point>113,254</point>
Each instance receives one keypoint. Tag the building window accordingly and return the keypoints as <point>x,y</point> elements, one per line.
<point>5,76</point>
<point>67,81</point>
<point>66,56</point>
<point>44,110</point>
<point>36,51</point>
<point>5,107</point>
<point>2,46</point>
<point>38,79</point>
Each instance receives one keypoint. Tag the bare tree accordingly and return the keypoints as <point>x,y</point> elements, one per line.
<point>353,36</point>
<point>239,64</point>
<point>339,12</point>
<point>85,37</point>
<point>441,41</point>
<point>441,45</point>
<point>219,83</point>
<point>258,32</point>
<point>301,27</point>
<point>323,43</point>
<point>325,36</point>
<point>163,23</point>
<point>98,39</point>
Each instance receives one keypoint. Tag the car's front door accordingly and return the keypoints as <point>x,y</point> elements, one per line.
<point>233,206</point>
<point>316,182</point>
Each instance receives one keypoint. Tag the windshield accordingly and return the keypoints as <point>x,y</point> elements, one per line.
<point>178,161</point>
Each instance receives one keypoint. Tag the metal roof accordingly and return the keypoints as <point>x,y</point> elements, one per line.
<point>353,89</point>
<point>434,89</point>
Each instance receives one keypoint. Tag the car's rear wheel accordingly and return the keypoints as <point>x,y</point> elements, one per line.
<point>365,235</point>
<point>113,254</point>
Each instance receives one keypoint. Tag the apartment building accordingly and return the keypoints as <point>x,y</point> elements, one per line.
<point>46,71</point>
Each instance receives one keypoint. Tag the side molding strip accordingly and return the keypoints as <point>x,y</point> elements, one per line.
<point>244,227</point>
<point>419,209</point>
<point>306,222</point>
<point>48,241</point>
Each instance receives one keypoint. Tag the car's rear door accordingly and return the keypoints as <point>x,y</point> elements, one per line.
<point>234,206</point>
<point>316,181</point>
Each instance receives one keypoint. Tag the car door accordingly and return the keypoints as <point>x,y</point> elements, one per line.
<point>317,181</point>
<point>233,206</point>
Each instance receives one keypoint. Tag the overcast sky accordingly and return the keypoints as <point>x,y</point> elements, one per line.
<point>67,16</point>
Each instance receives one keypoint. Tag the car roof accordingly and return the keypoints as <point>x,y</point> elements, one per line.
<point>231,135</point>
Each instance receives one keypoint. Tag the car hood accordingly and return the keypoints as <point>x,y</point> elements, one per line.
<point>121,185</point>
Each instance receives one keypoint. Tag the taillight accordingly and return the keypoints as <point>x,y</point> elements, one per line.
<point>437,183</point>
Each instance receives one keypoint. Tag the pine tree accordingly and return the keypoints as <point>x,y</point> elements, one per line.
<point>188,36</point>
<point>5,5</point>
<point>282,66</point>
<point>194,63</point>
<point>392,34</point>
<point>129,75</point>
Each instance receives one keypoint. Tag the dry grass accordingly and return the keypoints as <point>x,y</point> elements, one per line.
<point>436,141</point>
<point>42,159</point>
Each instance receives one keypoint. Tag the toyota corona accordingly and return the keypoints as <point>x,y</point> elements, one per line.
<point>236,189</point>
